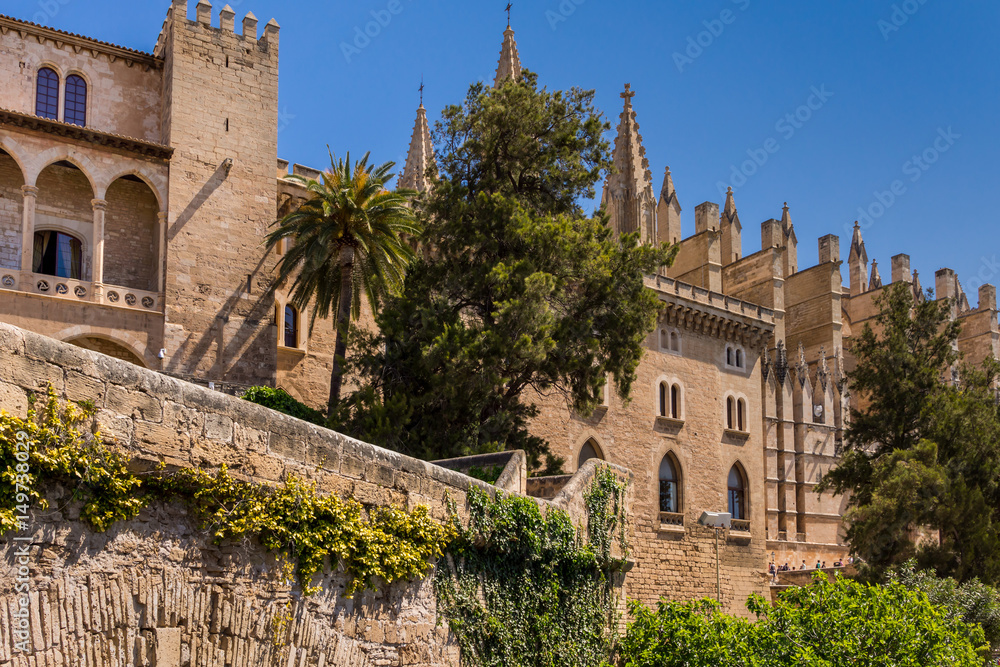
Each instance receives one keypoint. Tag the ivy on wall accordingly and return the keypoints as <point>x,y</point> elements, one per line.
<point>291,520</point>
<point>518,587</point>
<point>522,588</point>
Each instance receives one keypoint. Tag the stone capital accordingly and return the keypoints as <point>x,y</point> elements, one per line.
<point>99,204</point>
<point>161,217</point>
<point>29,190</point>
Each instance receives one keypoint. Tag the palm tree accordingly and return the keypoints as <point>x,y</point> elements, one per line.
<point>346,240</point>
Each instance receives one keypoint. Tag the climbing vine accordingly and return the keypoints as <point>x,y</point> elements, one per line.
<point>291,520</point>
<point>521,588</point>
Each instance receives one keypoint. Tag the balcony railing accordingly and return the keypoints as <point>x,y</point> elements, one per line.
<point>81,291</point>
<point>740,526</point>
<point>673,519</point>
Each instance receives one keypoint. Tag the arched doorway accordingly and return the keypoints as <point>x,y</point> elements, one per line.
<point>64,222</point>
<point>590,450</point>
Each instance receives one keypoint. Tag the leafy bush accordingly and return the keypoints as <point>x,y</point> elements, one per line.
<point>280,400</point>
<point>971,601</point>
<point>836,623</point>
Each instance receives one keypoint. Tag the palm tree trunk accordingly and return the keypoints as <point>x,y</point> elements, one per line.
<point>343,322</point>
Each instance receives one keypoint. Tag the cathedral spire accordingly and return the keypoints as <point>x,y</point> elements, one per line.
<point>857,262</point>
<point>875,282</point>
<point>668,212</point>
<point>791,243</point>
<point>421,153</point>
<point>732,231</point>
<point>628,193</point>
<point>509,66</point>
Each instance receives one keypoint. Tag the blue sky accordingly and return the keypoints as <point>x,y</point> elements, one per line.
<point>888,81</point>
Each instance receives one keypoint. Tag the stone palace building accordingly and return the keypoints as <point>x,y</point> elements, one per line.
<point>136,190</point>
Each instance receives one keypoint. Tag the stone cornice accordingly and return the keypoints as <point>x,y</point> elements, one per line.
<point>85,134</point>
<point>713,314</point>
<point>79,43</point>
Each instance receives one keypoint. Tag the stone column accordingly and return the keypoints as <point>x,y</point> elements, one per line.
<point>161,248</point>
<point>30,193</point>
<point>97,265</point>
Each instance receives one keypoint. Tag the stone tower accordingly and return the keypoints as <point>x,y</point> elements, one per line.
<point>732,232</point>
<point>668,212</point>
<point>509,66</point>
<point>414,173</point>
<point>220,114</point>
<point>628,193</point>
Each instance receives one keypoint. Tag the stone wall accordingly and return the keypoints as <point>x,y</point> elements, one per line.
<point>156,591</point>
<point>123,86</point>
<point>10,213</point>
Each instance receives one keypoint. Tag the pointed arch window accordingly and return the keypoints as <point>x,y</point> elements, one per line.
<point>590,450</point>
<point>663,399</point>
<point>675,401</point>
<point>730,410</point>
<point>75,109</point>
<point>738,493</point>
<point>675,342</point>
<point>47,94</point>
<point>670,484</point>
<point>291,327</point>
<point>741,409</point>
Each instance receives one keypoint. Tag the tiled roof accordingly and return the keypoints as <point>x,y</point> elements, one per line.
<point>31,122</point>
<point>11,23</point>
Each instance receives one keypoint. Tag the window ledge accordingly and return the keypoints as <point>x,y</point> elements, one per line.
<point>669,421</point>
<point>672,522</point>
<point>742,435</point>
<point>291,351</point>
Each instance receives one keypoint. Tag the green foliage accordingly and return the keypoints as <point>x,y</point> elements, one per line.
<point>382,543</point>
<point>922,456</point>
<point>63,447</point>
<point>347,240</point>
<point>389,544</point>
<point>520,291</point>
<point>280,400</point>
<point>489,474</point>
<point>972,601</point>
<point>836,623</point>
<point>520,588</point>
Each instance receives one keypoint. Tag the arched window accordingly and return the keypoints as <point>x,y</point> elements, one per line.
<point>741,407</point>
<point>47,94</point>
<point>737,493</point>
<point>75,109</point>
<point>58,254</point>
<point>675,401</point>
<point>675,342</point>
<point>663,399</point>
<point>739,358</point>
<point>664,340</point>
<point>670,485</point>
<point>291,327</point>
<point>590,450</point>
<point>730,409</point>
<point>729,356</point>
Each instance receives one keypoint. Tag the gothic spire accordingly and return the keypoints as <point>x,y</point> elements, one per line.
<point>876,280</point>
<point>509,66</point>
<point>421,153</point>
<point>668,212</point>
<point>858,246</point>
<point>786,225</point>
<point>732,239</point>
<point>628,193</point>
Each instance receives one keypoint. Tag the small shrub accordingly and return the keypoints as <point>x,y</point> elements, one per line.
<point>280,400</point>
